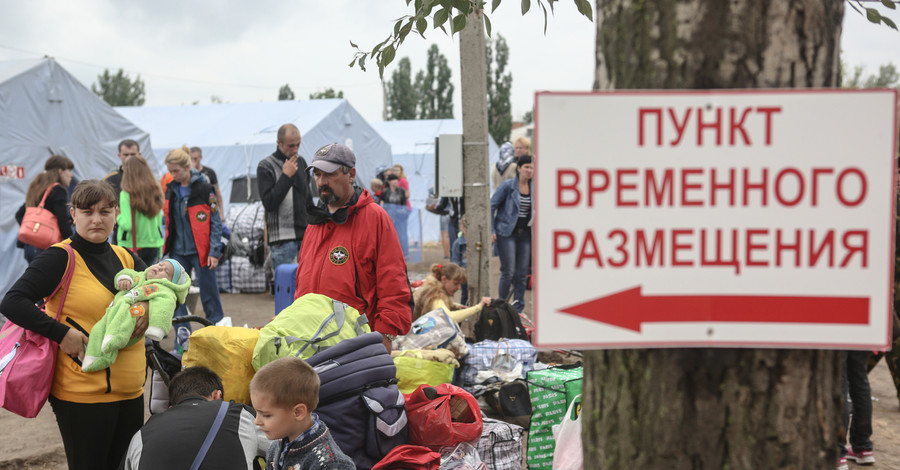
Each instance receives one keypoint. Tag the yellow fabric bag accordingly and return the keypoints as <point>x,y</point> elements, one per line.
<point>227,350</point>
<point>415,371</point>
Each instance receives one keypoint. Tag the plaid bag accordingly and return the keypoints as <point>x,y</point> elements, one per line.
<point>500,446</point>
<point>246,278</point>
<point>223,277</point>
<point>247,232</point>
<point>482,355</point>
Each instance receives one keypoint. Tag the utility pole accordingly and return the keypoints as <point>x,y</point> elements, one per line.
<point>476,186</point>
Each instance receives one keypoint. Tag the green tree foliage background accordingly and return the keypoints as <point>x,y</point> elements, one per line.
<point>325,94</point>
<point>285,93</point>
<point>400,95</point>
<point>433,87</point>
<point>887,77</point>
<point>499,85</point>
<point>119,89</point>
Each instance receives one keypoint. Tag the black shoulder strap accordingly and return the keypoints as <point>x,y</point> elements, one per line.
<point>210,436</point>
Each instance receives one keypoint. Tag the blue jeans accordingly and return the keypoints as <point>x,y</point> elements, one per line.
<point>452,232</point>
<point>284,252</point>
<point>209,289</point>
<point>515,255</point>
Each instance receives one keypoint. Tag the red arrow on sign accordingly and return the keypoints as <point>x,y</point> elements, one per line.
<point>630,309</point>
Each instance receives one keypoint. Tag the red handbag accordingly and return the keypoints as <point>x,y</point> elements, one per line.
<point>40,228</point>
<point>28,360</point>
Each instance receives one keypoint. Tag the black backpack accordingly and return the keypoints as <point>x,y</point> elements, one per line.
<point>499,320</point>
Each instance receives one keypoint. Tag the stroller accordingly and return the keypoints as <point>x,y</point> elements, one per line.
<point>164,364</point>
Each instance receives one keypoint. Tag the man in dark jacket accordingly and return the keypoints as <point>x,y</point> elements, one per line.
<point>173,438</point>
<point>284,191</point>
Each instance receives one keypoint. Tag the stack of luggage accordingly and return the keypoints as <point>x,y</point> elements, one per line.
<point>438,400</point>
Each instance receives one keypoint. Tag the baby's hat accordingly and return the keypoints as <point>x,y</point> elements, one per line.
<point>178,276</point>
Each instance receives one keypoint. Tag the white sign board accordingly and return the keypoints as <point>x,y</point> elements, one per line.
<point>714,218</point>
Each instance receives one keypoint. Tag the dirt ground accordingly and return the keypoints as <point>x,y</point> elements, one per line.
<point>36,444</point>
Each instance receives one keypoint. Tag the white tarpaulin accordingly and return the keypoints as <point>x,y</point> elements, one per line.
<point>413,145</point>
<point>45,111</point>
<point>234,137</point>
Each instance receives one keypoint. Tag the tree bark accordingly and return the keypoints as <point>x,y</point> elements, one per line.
<point>714,408</point>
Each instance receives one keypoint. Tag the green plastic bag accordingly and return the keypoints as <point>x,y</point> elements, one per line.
<point>415,371</point>
<point>312,323</point>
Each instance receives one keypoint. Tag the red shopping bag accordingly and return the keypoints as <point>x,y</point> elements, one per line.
<point>443,415</point>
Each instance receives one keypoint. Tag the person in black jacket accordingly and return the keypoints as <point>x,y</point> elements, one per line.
<point>284,190</point>
<point>58,174</point>
<point>172,439</point>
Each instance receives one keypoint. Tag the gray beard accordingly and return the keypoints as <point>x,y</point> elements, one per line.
<point>328,198</point>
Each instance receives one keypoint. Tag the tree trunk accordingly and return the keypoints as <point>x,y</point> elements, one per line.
<point>714,408</point>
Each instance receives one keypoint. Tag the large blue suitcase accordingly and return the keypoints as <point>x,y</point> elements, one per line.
<point>285,286</point>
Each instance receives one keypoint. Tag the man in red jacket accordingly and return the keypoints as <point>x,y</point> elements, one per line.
<point>351,251</point>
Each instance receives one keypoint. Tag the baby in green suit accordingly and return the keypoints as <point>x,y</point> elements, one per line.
<point>163,285</point>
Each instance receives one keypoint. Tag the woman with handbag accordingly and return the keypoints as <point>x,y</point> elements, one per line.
<point>51,186</point>
<point>140,211</point>
<point>96,412</point>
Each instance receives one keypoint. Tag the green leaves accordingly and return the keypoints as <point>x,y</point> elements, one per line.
<point>456,12</point>
<point>459,23</point>
<point>462,5</point>
<point>872,14</point>
<point>584,7</point>
<point>387,55</point>
<point>875,17</point>
<point>441,17</point>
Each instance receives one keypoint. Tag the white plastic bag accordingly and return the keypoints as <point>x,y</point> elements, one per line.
<point>568,454</point>
<point>462,457</point>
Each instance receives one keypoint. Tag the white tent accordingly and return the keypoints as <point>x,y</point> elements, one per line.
<point>413,145</point>
<point>45,111</point>
<point>235,137</point>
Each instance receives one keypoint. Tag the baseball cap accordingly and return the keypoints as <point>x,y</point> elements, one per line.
<point>332,156</point>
